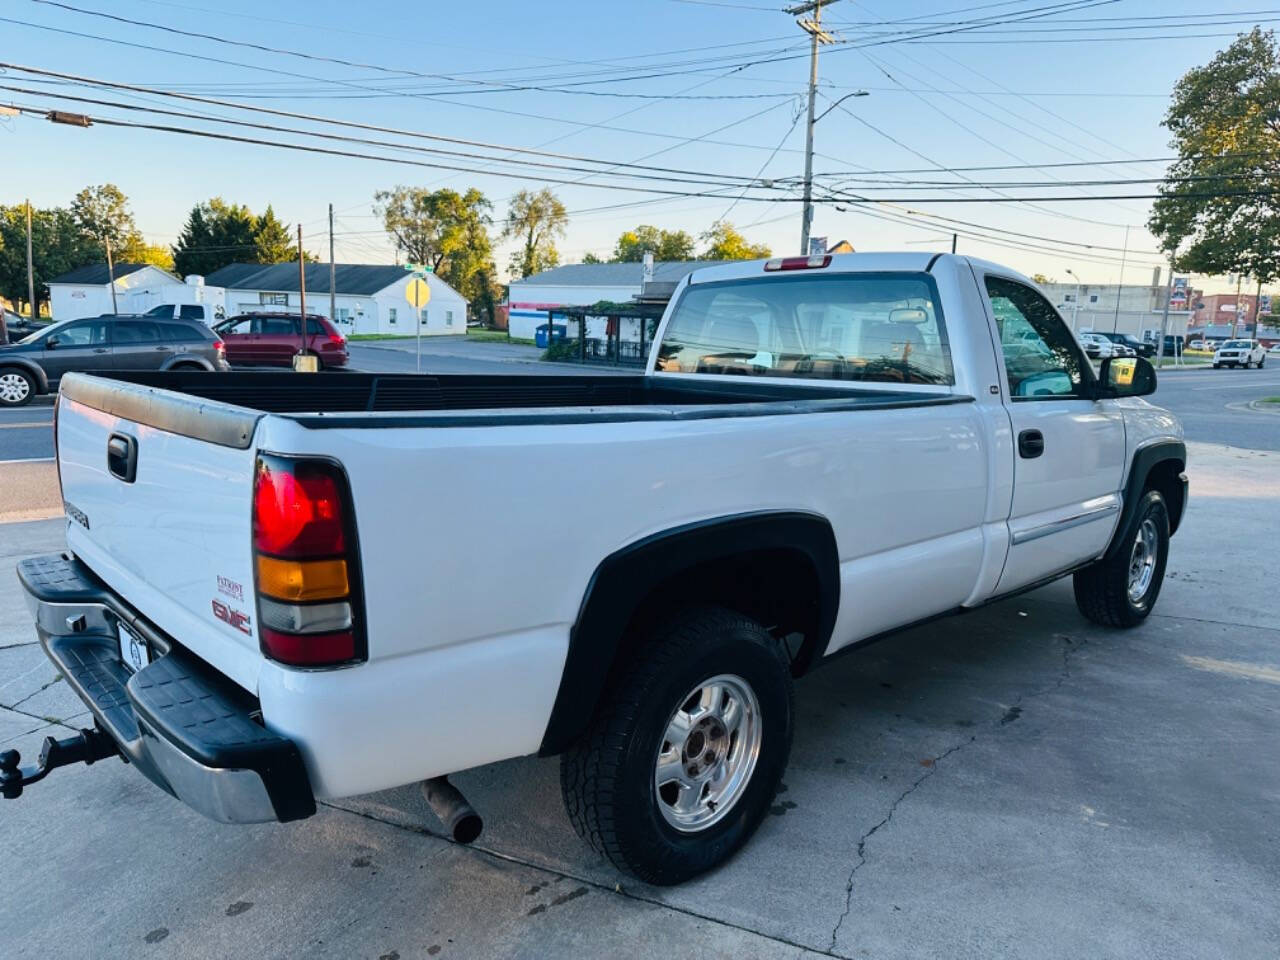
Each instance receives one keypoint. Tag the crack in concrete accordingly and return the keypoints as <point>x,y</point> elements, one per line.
<point>42,689</point>
<point>932,768</point>
<point>1069,647</point>
<point>50,721</point>
<point>616,889</point>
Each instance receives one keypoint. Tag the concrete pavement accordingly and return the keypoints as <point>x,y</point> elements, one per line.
<point>1013,783</point>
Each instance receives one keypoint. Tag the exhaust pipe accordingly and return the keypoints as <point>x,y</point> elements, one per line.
<point>451,807</point>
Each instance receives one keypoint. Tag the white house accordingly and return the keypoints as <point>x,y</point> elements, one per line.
<point>368,298</point>
<point>86,291</point>
<point>582,284</point>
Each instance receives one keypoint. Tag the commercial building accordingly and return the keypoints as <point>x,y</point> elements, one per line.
<point>1131,308</point>
<point>584,284</point>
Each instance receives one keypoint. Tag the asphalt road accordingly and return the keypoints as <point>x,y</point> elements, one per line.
<point>1213,404</point>
<point>1015,783</point>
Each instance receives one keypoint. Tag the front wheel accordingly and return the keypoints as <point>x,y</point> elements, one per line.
<point>684,757</point>
<point>16,387</point>
<point>1121,589</point>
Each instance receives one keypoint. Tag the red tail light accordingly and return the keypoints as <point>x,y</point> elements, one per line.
<point>338,339</point>
<point>220,348</point>
<point>798,263</point>
<point>306,570</point>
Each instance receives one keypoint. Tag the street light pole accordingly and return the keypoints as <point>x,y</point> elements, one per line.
<point>1075,306</point>
<point>816,36</point>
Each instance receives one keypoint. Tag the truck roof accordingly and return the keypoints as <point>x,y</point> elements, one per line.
<point>840,262</point>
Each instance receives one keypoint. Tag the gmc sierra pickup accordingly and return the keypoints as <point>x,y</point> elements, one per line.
<point>274,591</point>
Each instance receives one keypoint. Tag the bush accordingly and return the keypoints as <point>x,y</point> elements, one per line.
<point>562,350</point>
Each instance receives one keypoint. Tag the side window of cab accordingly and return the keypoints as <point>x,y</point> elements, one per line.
<point>1042,359</point>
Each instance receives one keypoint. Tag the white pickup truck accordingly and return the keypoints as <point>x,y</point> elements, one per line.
<point>279,588</point>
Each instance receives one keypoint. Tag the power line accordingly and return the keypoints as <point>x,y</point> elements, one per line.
<point>352,124</point>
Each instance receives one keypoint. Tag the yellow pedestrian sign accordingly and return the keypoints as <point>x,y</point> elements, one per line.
<point>417,292</point>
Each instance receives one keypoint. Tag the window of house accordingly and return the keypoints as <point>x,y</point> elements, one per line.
<point>343,314</point>
<point>884,328</point>
<point>422,319</point>
<point>448,318</point>
<point>274,299</point>
<point>391,315</point>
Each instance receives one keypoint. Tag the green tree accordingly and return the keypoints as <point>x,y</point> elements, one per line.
<point>590,257</point>
<point>724,242</point>
<point>1225,122</point>
<point>1041,279</point>
<point>535,220</point>
<point>57,245</point>
<point>663,244</point>
<point>271,240</point>
<point>138,251</point>
<point>216,233</point>
<point>419,221</point>
<point>102,213</point>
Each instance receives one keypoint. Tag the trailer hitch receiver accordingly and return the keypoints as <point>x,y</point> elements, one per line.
<point>84,747</point>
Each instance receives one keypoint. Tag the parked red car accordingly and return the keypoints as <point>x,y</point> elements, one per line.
<point>272,339</point>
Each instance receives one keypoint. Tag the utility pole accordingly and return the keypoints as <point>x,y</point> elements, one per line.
<point>1257,309</point>
<point>953,243</point>
<point>1120,286</point>
<point>816,36</point>
<point>1164,322</point>
<point>333,293</point>
<point>302,295</point>
<point>31,273</point>
<point>111,277</point>
<point>1235,317</point>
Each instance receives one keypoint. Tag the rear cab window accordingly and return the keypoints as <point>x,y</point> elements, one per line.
<point>849,327</point>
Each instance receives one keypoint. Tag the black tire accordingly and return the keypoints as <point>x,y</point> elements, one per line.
<point>608,777</point>
<point>1217,366</point>
<point>12,393</point>
<point>1102,590</point>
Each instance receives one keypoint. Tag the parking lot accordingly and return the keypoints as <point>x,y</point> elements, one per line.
<point>1015,782</point>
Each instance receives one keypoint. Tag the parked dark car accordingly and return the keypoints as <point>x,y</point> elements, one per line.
<point>18,326</point>
<point>36,363</point>
<point>1141,348</point>
<point>273,339</point>
<point>1173,345</point>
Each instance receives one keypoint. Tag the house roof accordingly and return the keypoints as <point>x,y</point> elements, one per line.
<point>612,274</point>
<point>96,275</point>
<point>355,279</point>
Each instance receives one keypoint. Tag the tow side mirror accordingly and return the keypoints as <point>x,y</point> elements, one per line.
<point>1126,377</point>
<point>51,343</point>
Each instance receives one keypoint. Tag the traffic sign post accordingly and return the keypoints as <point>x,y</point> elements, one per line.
<point>418,292</point>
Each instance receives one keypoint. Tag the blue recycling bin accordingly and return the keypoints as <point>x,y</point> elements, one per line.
<point>558,333</point>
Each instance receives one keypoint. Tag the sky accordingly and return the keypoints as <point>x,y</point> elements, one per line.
<point>676,84</point>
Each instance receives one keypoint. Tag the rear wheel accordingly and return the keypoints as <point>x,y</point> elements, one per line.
<point>16,387</point>
<point>1120,590</point>
<point>684,757</point>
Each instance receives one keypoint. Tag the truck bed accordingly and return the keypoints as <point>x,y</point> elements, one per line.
<point>168,400</point>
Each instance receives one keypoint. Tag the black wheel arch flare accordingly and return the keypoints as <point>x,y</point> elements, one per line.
<point>1160,466</point>
<point>621,583</point>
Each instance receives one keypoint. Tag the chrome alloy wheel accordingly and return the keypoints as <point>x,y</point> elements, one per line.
<point>708,753</point>
<point>1142,562</point>
<point>13,388</point>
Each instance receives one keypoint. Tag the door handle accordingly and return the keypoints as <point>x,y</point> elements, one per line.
<point>122,457</point>
<point>100,349</point>
<point>1030,444</point>
<point>161,349</point>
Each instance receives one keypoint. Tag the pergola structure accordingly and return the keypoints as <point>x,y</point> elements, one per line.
<point>612,348</point>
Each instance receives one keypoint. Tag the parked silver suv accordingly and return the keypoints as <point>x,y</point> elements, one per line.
<point>36,363</point>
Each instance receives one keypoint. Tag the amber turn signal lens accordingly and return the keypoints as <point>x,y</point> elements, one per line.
<point>302,579</point>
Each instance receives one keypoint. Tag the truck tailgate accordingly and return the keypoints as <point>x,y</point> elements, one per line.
<point>170,532</point>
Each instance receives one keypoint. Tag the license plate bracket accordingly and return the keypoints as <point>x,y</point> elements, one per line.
<point>133,649</point>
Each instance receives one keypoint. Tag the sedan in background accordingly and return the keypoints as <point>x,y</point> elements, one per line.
<point>1240,353</point>
<point>1097,347</point>
<point>274,339</point>
<point>1130,343</point>
<point>36,364</point>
